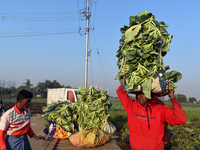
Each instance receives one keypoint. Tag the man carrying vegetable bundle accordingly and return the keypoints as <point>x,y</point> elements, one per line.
<point>144,43</point>
<point>146,120</point>
<point>15,123</point>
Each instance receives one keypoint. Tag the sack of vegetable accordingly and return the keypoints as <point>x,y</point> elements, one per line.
<point>56,131</point>
<point>89,138</point>
<point>61,133</point>
<point>143,45</point>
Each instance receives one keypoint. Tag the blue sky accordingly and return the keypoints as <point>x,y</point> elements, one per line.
<point>58,53</point>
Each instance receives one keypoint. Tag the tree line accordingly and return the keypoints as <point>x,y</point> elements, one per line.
<point>183,99</point>
<point>39,90</point>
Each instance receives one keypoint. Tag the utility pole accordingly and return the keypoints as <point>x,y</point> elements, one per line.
<point>86,48</point>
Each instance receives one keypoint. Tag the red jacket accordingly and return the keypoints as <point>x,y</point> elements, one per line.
<point>165,138</point>
<point>146,123</point>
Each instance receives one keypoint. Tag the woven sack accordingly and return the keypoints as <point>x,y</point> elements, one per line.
<point>159,86</point>
<point>89,138</point>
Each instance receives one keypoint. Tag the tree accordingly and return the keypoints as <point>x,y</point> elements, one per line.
<point>68,86</point>
<point>47,84</point>
<point>13,91</point>
<point>40,89</point>
<point>20,88</point>
<point>55,84</point>
<point>5,92</point>
<point>28,85</point>
<point>181,98</point>
<point>192,99</point>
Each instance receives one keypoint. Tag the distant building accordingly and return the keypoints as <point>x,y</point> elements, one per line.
<point>8,84</point>
<point>13,84</point>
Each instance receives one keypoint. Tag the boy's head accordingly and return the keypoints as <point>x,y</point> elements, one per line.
<point>24,99</point>
<point>23,94</point>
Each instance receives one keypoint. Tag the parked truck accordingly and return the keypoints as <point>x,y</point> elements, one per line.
<point>61,94</point>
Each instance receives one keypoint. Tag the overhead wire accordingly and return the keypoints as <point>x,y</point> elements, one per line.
<point>4,33</point>
<point>100,61</point>
<point>78,14</point>
<point>33,17</point>
<point>37,34</point>
<point>91,64</point>
<point>98,54</point>
<point>44,20</point>
<point>94,13</point>
<point>41,13</point>
<point>41,17</point>
<point>82,14</point>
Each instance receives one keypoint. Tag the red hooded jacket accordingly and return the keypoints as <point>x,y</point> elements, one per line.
<point>146,123</point>
<point>165,138</point>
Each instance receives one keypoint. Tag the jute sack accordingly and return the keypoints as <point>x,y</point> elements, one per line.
<point>89,138</point>
<point>75,140</point>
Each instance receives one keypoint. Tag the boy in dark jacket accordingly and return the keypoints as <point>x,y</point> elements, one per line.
<point>146,119</point>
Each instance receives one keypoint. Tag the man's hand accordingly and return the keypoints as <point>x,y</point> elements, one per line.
<point>171,94</point>
<point>38,137</point>
<point>124,80</point>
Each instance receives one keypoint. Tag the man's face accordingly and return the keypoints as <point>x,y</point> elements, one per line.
<point>25,103</point>
<point>141,99</point>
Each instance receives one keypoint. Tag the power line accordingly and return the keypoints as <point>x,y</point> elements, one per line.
<point>44,20</point>
<point>37,31</point>
<point>38,34</point>
<point>41,17</point>
<point>13,17</point>
<point>78,14</point>
<point>100,61</point>
<point>42,32</point>
<point>94,13</point>
<point>39,13</point>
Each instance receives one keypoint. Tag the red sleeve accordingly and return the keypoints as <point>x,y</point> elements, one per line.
<point>30,132</point>
<point>123,97</point>
<point>176,116</point>
<point>2,139</point>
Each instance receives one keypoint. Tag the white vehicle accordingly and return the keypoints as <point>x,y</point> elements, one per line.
<point>61,94</point>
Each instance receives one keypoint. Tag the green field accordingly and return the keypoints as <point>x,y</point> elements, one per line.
<point>33,100</point>
<point>180,137</point>
<point>117,108</point>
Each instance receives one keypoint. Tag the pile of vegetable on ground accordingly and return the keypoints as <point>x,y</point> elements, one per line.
<point>90,112</point>
<point>143,45</point>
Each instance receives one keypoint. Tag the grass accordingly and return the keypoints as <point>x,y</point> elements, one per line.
<point>33,100</point>
<point>119,116</point>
